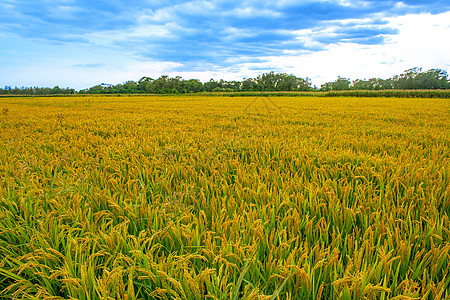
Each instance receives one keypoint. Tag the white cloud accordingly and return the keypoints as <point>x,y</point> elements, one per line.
<point>252,12</point>
<point>157,16</point>
<point>421,42</point>
<point>65,11</point>
<point>423,39</point>
<point>109,38</point>
<point>232,33</point>
<point>197,7</point>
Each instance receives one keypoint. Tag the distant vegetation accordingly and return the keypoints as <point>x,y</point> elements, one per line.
<point>8,90</point>
<point>344,93</point>
<point>412,79</point>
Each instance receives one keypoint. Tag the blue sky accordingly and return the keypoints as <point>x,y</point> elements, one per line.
<point>83,43</point>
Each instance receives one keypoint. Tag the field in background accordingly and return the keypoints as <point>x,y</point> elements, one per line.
<point>197,197</point>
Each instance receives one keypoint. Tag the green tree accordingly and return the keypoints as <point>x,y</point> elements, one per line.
<point>193,86</point>
<point>340,84</point>
<point>249,84</point>
<point>145,84</point>
<point>406,81</point>
<point>210,85</point>
<point>432,79</point>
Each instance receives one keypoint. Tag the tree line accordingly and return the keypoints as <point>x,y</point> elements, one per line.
<point>8,90</point>
<point>176,85</point>
<point>412,79</point>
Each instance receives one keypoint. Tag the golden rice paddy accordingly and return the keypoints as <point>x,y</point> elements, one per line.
<point>195,197</point>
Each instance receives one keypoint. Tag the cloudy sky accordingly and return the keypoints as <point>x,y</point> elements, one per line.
<point>81,43</point>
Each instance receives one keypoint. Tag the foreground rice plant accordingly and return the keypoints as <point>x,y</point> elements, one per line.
<point>224,198</point>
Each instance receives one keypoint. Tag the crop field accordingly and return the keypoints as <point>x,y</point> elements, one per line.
<point>197,197</point>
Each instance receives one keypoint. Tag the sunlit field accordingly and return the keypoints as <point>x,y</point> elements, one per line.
<point>195,197</point>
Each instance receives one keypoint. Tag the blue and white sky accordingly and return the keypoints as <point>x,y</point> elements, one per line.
<point>81,43</point>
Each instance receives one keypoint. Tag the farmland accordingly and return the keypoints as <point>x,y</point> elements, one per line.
<point>197,197</point>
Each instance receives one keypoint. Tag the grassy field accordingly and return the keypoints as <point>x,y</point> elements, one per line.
<point>200,197</point>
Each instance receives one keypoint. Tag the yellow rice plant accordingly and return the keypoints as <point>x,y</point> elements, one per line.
<point>197,197</point>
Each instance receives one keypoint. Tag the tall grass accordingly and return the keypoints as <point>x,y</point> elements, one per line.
<point>224,198</point>
<point>444,94</point>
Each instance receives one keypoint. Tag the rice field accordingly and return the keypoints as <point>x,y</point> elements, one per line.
<point>196,197</point>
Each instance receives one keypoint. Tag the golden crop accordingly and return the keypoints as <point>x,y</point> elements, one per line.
<point>194,197</point>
